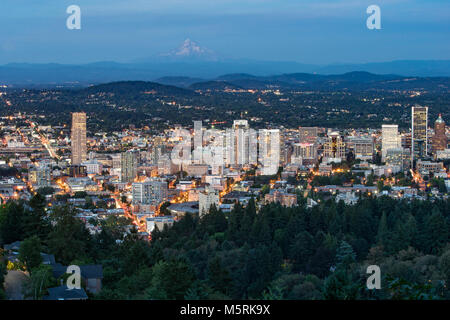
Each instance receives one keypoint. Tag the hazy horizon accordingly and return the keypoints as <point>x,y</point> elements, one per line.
<point>149,61</point>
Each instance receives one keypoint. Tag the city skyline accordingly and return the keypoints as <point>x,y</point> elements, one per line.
<point>241,145</point>
<point>224,151</point>
<point>145,189</point>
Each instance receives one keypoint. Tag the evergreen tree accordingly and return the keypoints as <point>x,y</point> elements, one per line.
<point>340,286</point>
<point>219,276</point>
<point>30,253</point>
<point>345,255</point>
<point>2,276</point>
<point>383,231</point>
<point>69,239</point>
<point>436,233</point>
<point>12,222</point>
<point>301,249</point>
<point>171,280</point>
<point>36,221</point>
<point>135,258</point>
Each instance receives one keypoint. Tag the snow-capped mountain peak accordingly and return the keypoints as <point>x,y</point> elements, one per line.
<point>191,49</point>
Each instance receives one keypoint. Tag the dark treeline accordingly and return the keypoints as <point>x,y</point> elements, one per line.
<point>275,253</point>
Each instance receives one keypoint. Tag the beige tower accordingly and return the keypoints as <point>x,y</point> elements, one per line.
<point>78,138</point>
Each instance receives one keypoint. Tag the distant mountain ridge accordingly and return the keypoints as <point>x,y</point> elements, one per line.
<point>185,73</point>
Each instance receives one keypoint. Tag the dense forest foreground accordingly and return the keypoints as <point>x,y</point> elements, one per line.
<point>275,253</point>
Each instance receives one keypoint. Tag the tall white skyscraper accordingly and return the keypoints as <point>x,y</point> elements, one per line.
<point>198,143</point>
<point>241,141</point>
<point>269,150</point>
<point>78,138</point>
<point>243,146</point>
<point>390,139</point>
<point>228,145</point>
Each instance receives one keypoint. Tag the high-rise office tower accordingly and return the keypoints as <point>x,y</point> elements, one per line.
<point>198,143</point>
<point>269,150</point>
<point>241,141</point>
<point>129,164</point>
<point>228,147</point>
<point>439,139</point>
<point>157,149</point>
<point>390,139</point>
<point>334,148</point>
<point>253,146</point>
<point>78,138</point>
<point>304,153</point>
<point>240,144</point>
<point>419,135</point>
<point>361,146</point>
<point>305,150</point>
<point>406,140</point>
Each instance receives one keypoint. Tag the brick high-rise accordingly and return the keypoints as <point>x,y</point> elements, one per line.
<point>439,138</point>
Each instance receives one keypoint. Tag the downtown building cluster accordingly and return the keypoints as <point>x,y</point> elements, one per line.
<point>155,179</point>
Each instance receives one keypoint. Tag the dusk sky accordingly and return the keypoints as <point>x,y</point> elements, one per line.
<point>308,31</point>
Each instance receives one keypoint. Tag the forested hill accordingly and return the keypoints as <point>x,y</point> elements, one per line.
<point>136,88</point>
<point>117,105</point>
<point>353,81</point>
